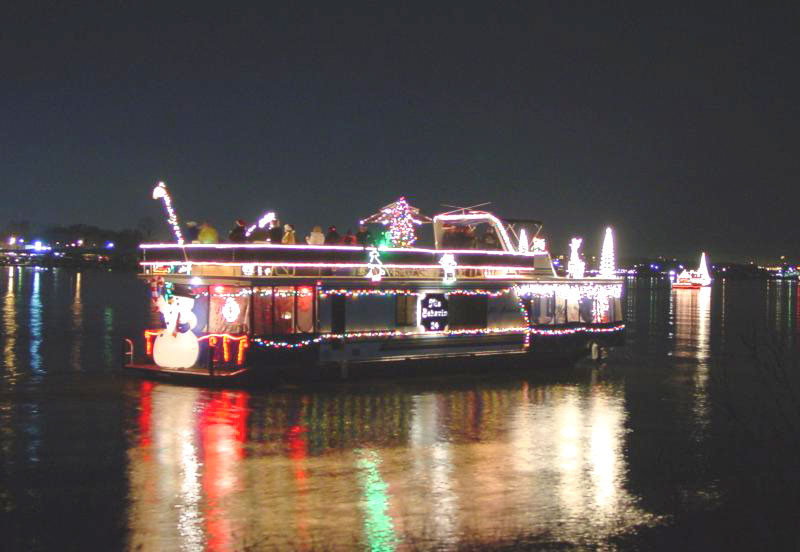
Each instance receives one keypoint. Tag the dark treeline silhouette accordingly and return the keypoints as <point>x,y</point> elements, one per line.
<point>75,244</point>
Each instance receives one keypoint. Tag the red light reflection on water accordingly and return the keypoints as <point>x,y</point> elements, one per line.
<point>223,431</point>
<point>145,414</point>
<point>297,451</point>
<point>212,424</point>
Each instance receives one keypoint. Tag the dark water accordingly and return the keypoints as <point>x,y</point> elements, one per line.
<point>683,438</point>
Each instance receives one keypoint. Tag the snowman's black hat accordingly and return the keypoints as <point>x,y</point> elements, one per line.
<point>182,290</point>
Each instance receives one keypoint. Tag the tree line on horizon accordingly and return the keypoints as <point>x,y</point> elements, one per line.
<point>92,236</point>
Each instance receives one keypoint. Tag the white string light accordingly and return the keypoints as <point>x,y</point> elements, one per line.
<point>607,265</point>
<point>160,192</point>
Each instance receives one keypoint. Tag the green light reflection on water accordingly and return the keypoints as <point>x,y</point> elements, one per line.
<point>108,328</point>
<point>378,524</point>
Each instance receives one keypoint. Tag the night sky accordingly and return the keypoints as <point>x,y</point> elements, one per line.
<point>677,126</point>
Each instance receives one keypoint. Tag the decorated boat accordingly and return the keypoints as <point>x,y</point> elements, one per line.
<point>484,292</point>
<point>694,279</point>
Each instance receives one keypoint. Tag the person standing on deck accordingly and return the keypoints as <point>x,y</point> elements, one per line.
<point>192,232</point>
<point>332,238</point>
<point>316,237</point>
<point>289,237</point>
<point>276,232</point>
<point>207,233</point>
<point>364,236</point>
<point>349,238</point>
<point>237,235</point>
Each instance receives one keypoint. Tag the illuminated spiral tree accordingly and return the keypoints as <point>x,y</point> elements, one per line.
<point>607,264</point>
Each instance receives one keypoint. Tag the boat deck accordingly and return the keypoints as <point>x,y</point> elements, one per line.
<point>197,374</point>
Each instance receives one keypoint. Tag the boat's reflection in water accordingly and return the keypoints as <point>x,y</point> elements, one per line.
<point>226,469</point>
<point>693,349</point>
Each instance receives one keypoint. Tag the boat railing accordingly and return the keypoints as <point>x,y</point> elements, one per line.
<point>289,272</point>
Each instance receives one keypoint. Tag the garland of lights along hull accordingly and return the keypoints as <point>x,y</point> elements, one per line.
<point>221,310</point>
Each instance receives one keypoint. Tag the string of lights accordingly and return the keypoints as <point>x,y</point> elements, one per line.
<point>218,291</point>
<point>323,293</point>
<point>583,289</point>
<point>518,330</point>
<point>160,192</point>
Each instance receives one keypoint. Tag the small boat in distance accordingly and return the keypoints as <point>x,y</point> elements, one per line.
<point>694,279</point>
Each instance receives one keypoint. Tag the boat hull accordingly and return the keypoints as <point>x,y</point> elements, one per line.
<point>397,358</point>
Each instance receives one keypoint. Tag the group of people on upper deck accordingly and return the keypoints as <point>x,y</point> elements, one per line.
<point>453,237</point>
<point>465,237</point>
<point>276,233</point>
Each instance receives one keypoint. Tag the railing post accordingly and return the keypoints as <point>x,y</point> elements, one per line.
<point>127,351</point>
<point>212,349</point>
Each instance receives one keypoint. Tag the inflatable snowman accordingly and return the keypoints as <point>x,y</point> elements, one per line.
<point>176,346</point>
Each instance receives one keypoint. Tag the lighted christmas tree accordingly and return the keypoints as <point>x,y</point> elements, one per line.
<point>401,224</point>
<point>400,217</point>
<point>607,265</point>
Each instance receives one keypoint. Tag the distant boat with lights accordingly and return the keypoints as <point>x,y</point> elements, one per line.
<point>252,311</point>
<point>694,279</point>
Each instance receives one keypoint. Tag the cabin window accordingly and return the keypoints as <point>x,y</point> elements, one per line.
<point>560,315</point>
<point>609,311</point>
<point>338,303</point>
<point>467,311</point>
<point>305,309</point>
<point>586,308</point>
<point>535,312</point>
<point>543,308</point>
<point>229,310</point>
<point>283,301</point>
<point>617,302</point>
<point>405,310</point>
<point>262,311</point>
<point>573,312</point>
<point>283,310</point>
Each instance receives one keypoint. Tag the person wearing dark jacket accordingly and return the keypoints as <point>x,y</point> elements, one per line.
<point>237,235</point>
<point>275,232</point>
<point>349,238</point>
<point>332,238</point>
<point>364,236</point>
<point>192,232</point>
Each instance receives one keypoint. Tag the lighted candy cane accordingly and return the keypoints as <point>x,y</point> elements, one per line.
<point>262,222</point>
<point>160,192</point>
